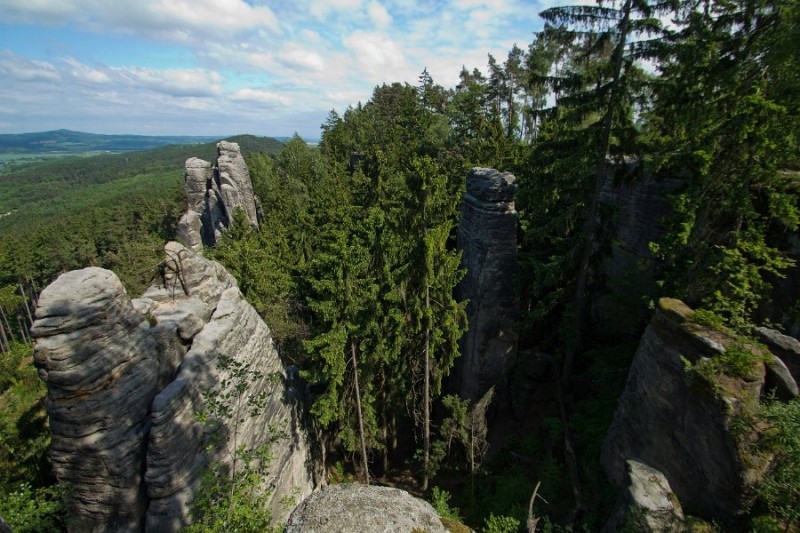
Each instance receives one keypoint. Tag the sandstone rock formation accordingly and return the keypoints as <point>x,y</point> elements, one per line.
<point>487,238</point>
<point>126,380</point>
<point>785,347</point>
<point>648,504</point>
<point>633,218</point>
<point>213,194</point>
<point>356,508</point>
<point>94,351</point>
<point>683,426</point>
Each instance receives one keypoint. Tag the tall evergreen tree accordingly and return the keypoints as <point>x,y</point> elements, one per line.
<point>595,81</point>
<point>438,321</point>
<point>728,123</point>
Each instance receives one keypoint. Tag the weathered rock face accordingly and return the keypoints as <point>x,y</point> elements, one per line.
<point>487,238</point>
<point>634,211</point>
<point>213,194</point>
<point>356,508</point>
<point>785,347</point>
<point>234,181</point>
<point>648,504</point>
<point>101,367</point>
<point>127,379</point>
<point>672,420</point>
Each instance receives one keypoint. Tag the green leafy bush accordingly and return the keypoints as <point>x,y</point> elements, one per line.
<point>29,510</point>
<point>440,501</point>
<point>501,524</point>
<point>780,489</point>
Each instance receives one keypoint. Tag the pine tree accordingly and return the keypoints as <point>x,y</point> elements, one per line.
<point>438,320</point>
<point>595,81</point>
<point>727,123</point>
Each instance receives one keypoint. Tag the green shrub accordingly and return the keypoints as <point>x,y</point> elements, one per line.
<point>32,511</point>
<point>780,489</point>
<point>501,524</point>
<point>440,501</point>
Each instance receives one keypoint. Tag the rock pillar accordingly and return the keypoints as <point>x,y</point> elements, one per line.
<point>487,238</point>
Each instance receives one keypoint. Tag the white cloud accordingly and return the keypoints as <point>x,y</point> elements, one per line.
<point>378,14</point>
<point>297,56</point>
<point>379,57</point>
<point>174,82</point>
<point>14,67</point>
<point>85,74</point>
<point>310,36</point>
<point>171,20</point>
<point>321,8</point>
<point>261,96</point>
<point>38,11</point>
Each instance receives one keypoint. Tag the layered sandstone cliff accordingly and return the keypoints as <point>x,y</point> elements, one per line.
<point>127,383</point>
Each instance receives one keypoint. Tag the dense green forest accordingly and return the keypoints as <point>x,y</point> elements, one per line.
<point>355,263</point>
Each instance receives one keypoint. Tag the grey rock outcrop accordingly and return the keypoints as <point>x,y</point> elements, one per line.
<point>126,380</point>
<point>673,420</point>
<point>356,508</point>
<point>94,351</point>
<point>487,238</point>
<point>213,194</point>
<point>648,504</point>
<point>783,346</point>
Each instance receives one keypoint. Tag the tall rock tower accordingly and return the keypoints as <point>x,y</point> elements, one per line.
<point>487,238</point>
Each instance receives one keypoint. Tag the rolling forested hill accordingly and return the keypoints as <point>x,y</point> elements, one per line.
<point>76,141</point>
<point>73,212</point>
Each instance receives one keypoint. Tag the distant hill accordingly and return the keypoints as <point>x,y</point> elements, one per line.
<point>74,183</point>
<point>66,142</point>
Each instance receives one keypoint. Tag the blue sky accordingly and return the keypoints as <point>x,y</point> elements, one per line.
<point>222,67</point>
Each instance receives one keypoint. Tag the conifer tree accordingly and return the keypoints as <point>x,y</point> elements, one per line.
<point>438,320</point>
<point>727,124</point>
<point>595,81</point>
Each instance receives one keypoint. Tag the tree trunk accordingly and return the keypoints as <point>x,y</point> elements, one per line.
<point>385,426</point>
<point>590,225</point>
<point>360,416</point>
<point>7,325</point>
<point>27,307</point>
<point>4,346</point>
<point>426,430</point>
<point>22,331</point>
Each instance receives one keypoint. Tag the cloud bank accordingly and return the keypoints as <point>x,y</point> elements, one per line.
<point>233,66</point>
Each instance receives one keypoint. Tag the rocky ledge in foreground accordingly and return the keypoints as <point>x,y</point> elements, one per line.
<point>128,380</point>
<point>357,508</point>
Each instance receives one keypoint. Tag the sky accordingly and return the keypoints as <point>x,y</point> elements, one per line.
<point>225,67</point>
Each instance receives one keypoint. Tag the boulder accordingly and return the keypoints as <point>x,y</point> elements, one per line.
<point>779,379</point>
<point>487,238</point>
<point>679,423</point>
<point>648,504</point>
<point>784,347</point>
<point>356,508</point>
